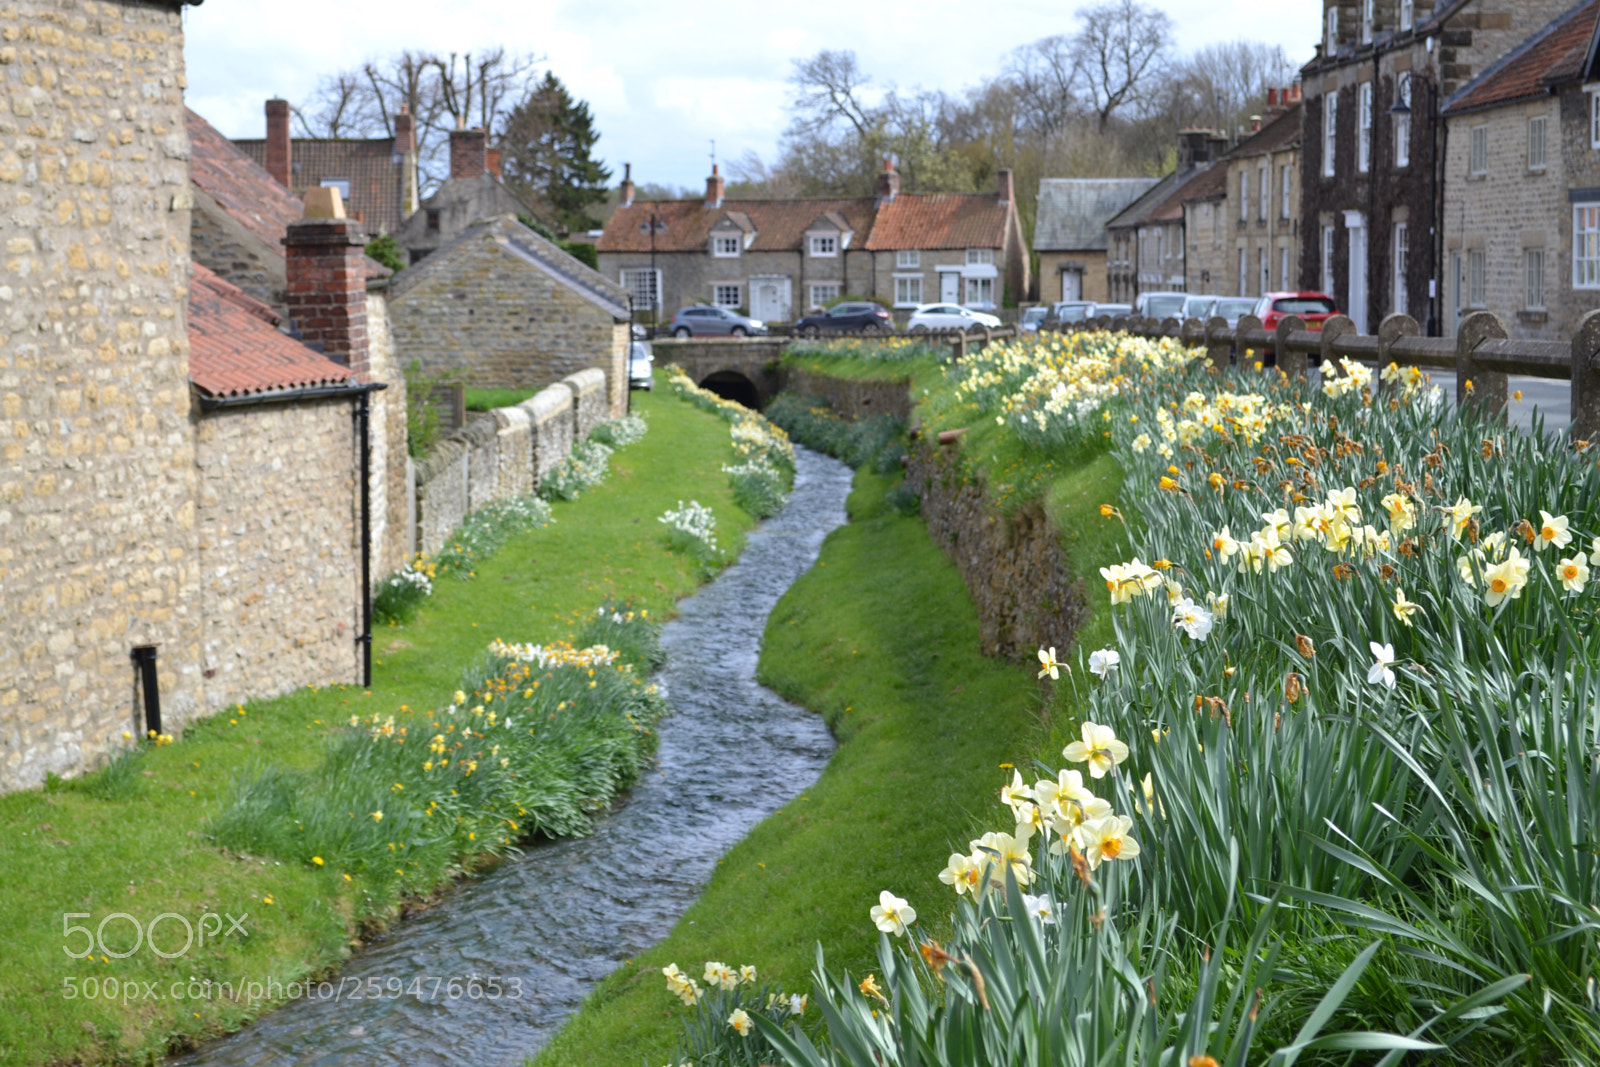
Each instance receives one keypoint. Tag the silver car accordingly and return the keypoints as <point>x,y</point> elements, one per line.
<point>641,362</point>
<point>707,321</point>
<point>1160,305</point>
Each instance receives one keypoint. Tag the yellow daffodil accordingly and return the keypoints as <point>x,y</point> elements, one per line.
<point>1402,512</point>
<point>1460,514</point>
<point>963,873</point>
<point>1107,839</point>
<point>892,914</point>
<point>719,974</point>
<point>1403,608</point>
<point>1048,664</point>
<point>1099,748</point>
<point>747,974</point>
<point>377,816</point>
<point>869,987</point>
<point>740,1021</point>
<point>1505,580</point>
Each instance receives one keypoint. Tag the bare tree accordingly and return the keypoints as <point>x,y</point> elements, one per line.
<point>1222,85</point>
<point>1121,49</point>
<point>1046,78</point>
<point>336,108</point>
<point>827,90</point>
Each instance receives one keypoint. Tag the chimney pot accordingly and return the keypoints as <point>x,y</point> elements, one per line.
<point>1007,186</point>
<point>324,203</point>
<point>325,265</point>
<point>492,161</point>
<point>626,191</point>
<point>715,188</point>
<point>888,183</point>
<point>405,131</point>
<point>278,141</point>
<point>1272,98</point>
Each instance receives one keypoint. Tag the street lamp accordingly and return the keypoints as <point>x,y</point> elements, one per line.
<point>654,226</point>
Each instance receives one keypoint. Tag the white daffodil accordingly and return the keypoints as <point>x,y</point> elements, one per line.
<point>1403,608</point>
<point>1381,671</point>
<point>892,914</point>
<point>720,975</point>
<point>1461,513</point>
<point>1402,512</point>
<point>1048,664</point>
<point>1192,619</point>
<point>1506,579</point>
<point>740,1022</point>
<point>1015,792</point>
<point>1574,573</point>
<point>962,873</point>
<point>1104,661</point>
<point>1099,748</point>
<point>1224,544</point>
<point>1107,839</point>
<point>1553,532</point>
<point>1040,907</point>
<point>1065,788</point>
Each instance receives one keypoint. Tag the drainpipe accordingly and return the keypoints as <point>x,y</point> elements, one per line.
<point>144,662</point>
<point>1439,144</point>
<point>362,414</point>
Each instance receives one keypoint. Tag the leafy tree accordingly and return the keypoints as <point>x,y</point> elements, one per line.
<point>385,250</point>
<point>548,157</point>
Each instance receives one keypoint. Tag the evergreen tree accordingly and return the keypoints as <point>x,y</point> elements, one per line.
<point>546,155</point>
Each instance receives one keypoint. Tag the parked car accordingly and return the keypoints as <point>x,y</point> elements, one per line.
<point>847,318</point>
<point>1160,305</point>
<point>1314,308</point>
<point>1070,311</point>
<point>1031,318</point>
<point>1231,307</point>
<point>949,317</point>
<point>1199,307</point>
<point>1113,310</point>
<point>641,361</point>
<point>705,321</point>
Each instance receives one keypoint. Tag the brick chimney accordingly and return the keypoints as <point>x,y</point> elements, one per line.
<point>888,183</point>
<point>279,165</point>
<point>327,293</point>
<point>1292,94</point>
<point>715,188</point>
<point>405,143</point>
<point>1008,191</point>
<point>469,153</point>
<point>1272,99</point>
<point>626,191</point>
<point>491,161</point>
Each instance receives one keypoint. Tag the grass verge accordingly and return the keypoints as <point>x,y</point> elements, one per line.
<point>130,840</point>
<point>489,399</point>
<point>882,638</point>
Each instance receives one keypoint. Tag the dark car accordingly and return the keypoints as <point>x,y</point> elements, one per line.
<point>847,318</point>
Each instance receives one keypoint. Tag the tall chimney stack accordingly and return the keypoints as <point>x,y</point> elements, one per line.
<point>279,165</point>
<point>715,187</point>
<point>469,153</point>
<point>405,143</point>
<point>627,191</point>
<point>1008,191</point>
<point>325,261</point>
<point>888,183</point>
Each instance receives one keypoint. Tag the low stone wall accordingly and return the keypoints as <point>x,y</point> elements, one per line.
<point>503,453</point>
<point>850,398</point>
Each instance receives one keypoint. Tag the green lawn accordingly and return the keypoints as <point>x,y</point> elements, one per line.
<point>489,399</point>
<point>67,851</point>
<point>882,638</point>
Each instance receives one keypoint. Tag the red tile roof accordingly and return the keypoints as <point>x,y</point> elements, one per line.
<point>235,347</point>
<point>239,184</point>
<point>940,220</point>
<point>371,166</point>
<point>1206,183</point>
<point>1555,54</point>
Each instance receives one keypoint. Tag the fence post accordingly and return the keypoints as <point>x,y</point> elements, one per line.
<point>1488,387</point>
<point>1586,377</point>
<point>1390,330</point>
<point>1217,351</point>
<point>961,345</point>
<point>1334,328</point>
<point>1191,330</point>
<point>1242,354</point>
<point>1290,361</point>
<point>988,335</point>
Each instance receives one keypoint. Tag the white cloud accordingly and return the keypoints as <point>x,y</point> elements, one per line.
<point>662,79</point>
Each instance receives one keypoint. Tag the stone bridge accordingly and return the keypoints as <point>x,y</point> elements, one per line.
<point>742,369</point>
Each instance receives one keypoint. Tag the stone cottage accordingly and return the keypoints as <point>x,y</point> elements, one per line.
<point>1145,241</point>
<point>1070,233</point>
<point>473,191</point>
<point>1522,184</point>
<point>781,259</point>
<point>510,310</point>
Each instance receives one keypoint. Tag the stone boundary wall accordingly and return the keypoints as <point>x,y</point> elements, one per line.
<point>503,453</point>
<point>853,399</point>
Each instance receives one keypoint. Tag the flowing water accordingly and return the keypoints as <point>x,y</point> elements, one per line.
<point>550,924</point>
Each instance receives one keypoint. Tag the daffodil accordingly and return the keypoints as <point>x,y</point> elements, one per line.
<point>1574,573</point>
<point>1342,505</point>
<point>1192,619</point>
<point>1594,551</point>
<point>1506,579</point>
<point>1552,533</point>
<point>892,914</point>
<point>747,974</point>
<point>1065,788</point>
<point>1381,670</point>
<point>1402,512</point>
<point>1107,839</point>
<point>997,852</point>
<point>962,873</point>
<point>1224,544</point>
<point>740,1021</point>
<point>720,975</point>
<point>1048,664</point>
<point>1099,748</point>
<point>1461,513</point>
<point>1015,793</point>
<point>1218,604</point>
<point>1104,661</point>
<point>1403,608</point>
<point>1040,907</point>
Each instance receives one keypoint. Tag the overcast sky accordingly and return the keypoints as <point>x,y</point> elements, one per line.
<point>663,79</point>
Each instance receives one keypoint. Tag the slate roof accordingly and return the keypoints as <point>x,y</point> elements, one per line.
<point>1282,132</point>
<point>1558,53</point>
<point>240,185</point>
<point>530,248</point>
<point>371,166</point>
<point>235,347</point>
<point>1073,212</point>
<point>1141,209</point>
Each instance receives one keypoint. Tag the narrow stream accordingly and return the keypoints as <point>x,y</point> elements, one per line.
<point>557,920</point>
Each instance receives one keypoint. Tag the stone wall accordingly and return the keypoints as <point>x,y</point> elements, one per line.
<point>1013,565</point>
<point>392,530</point>
<point>280,553</point>
<point>220,241</point>
<point>590,405</point>
<point>852,398</point>
<point>98,546</point>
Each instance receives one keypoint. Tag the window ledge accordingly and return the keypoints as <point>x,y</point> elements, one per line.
<point>1533,315</point>
<point>1537,172</point>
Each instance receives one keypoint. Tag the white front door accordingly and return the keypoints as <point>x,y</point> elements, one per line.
<point>1072,285</point>
<point>1358,269</point>
<point>770,301</point>
<point>950,287</point>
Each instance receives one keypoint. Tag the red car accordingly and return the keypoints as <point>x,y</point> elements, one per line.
<point>1314,308</point>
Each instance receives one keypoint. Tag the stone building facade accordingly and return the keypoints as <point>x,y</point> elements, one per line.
<point>510,310</point>
<point>1371,218</point>
<point>98,520</point>
<point>1521,211</point>
<point>1069,233</point>
<point>473,192</point>
<point>1243,237</point>
<point>1146,241</point>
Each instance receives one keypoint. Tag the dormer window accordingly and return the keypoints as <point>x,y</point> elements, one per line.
<point>980,257</point>
<point>825,246</point>
<point>725,246</point>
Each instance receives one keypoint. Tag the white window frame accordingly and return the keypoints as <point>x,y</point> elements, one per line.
<point>1478,151</point>
<point>1367,19</point>
<point>1538,128</point>
<point>1330,126</point>
<point>341,184</point>
<point>1331,33</point>
<point>908,257</point>
<point>1402,253</point>
<point>1533,278</point>
<point>822,292</point>
<point>1364,127</point>
<point>1327,260</point>
<point>1407,14</point>
<point>1283,269</point>
<point>1402,123</point>
<point>1244,194</point>
<point>1285,178</point>
<point>725,247</point>
<point>1264,179</point>
<point>1594,114</point>
<point>824,246</point>
<point>1477,278</point>
<point>979,291</point>
<point>1586,246</point>
<point>722,292</point>
<point>907,290</point>
<point>628,278</point>
<point>980,257</point>
<point>1244,273</point>
<point>1264,270</point>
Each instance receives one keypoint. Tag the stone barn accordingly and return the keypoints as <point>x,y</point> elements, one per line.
<point>507,309</point>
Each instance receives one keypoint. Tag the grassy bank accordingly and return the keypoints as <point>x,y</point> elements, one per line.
<point>882,638</point>
<point>137,845</point>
